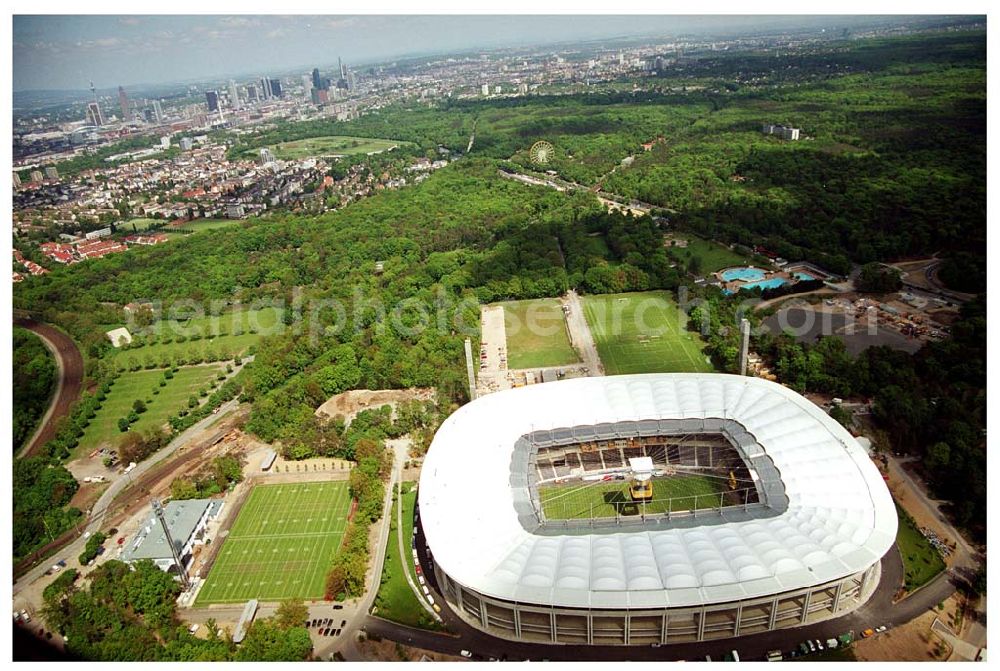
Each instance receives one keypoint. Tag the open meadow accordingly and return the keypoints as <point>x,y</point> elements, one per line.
<point>161,402</point>
<point>332,145</point>
<point>169,341</point>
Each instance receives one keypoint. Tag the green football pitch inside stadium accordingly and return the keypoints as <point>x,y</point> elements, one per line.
<point>282,544</point>
<point>677,493</point>
<point>643,333</point>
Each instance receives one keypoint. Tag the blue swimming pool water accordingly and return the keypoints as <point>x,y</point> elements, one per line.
<point>765,284</point>
<point>804,276</point>
<point>744,274</point>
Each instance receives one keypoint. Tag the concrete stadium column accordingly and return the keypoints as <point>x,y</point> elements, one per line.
<point>739,616</point>
<point>552,625</point>
<point>663,629</point>
<point>805,607</point>
<point>701,625</point>
<point>483,617</point>
<point>774,614</point>
<point>590,628</point>
<point>866,582</point>
<point>628,626</point>
<point>837,594</point>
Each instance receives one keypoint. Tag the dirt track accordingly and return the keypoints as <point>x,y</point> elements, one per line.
<point>70,364</point>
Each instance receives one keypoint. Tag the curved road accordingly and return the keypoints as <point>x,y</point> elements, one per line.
<point>68,386</point>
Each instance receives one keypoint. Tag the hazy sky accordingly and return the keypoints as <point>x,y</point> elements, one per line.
<point>54,52</point>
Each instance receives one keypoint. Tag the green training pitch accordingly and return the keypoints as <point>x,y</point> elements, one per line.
<point>643,333</point>
<point>332,145</point>
<point>536,334</point>
<point>677,493</point>
<point>282,544</point>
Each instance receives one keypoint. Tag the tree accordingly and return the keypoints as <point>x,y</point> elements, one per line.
<point>138,406</point>
<point>122,424</point>
<point>878,278</point>
<point>267,642</point>
<point>291,613</point>
<point>938,457</point>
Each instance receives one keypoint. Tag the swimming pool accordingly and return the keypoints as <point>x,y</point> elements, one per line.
<point>743,274</point>
<point>765,284</point>
<point>803,276</point>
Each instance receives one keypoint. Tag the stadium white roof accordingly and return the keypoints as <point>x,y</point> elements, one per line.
<point>840,518</point>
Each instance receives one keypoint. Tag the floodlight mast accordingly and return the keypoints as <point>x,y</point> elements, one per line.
<point>181,571</point>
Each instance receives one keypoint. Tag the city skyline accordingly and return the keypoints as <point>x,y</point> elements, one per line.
<point>66,52</point>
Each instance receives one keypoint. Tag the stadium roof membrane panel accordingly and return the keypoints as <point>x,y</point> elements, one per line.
<point>840,518</point>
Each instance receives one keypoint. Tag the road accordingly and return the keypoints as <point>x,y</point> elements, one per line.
<point>68,385</point>
<point>579,332</point>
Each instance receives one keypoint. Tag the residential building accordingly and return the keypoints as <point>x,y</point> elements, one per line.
<point>51,172</point>
<point>213,100</point>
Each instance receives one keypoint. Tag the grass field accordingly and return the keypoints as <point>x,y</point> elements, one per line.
<point>282,544</point>
<point>232,337</point>
<point>714,256</point>
<point>583,500</point>
<point>332,145</point>
<point>208,224</point>
<point>536,334</point>
<point>140,224</point>
<point>140,385</point>
<point>921,562</point>
<point>643,333</point>
<point>395,600</point>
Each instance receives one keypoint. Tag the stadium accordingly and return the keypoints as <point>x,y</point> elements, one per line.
<point>645,509</point>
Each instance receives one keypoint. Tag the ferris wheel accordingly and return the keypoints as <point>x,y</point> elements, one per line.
<point>542,152</point>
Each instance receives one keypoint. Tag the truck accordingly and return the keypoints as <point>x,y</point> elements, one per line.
<point>774,656</point>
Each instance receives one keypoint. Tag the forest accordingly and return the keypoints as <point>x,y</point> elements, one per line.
<point>892,165</point>
<point>129,613</point>
<point>34,372</point>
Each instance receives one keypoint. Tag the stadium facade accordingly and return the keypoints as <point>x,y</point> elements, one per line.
<point>806,546</point>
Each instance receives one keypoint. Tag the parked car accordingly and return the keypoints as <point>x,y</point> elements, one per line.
<point>879,630</point>
<point>337,606</point>
<point>867,633</point>
<point>831,643</point>
<point>465,653</point>
<point>819,644</point>
<point>812,646</point>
